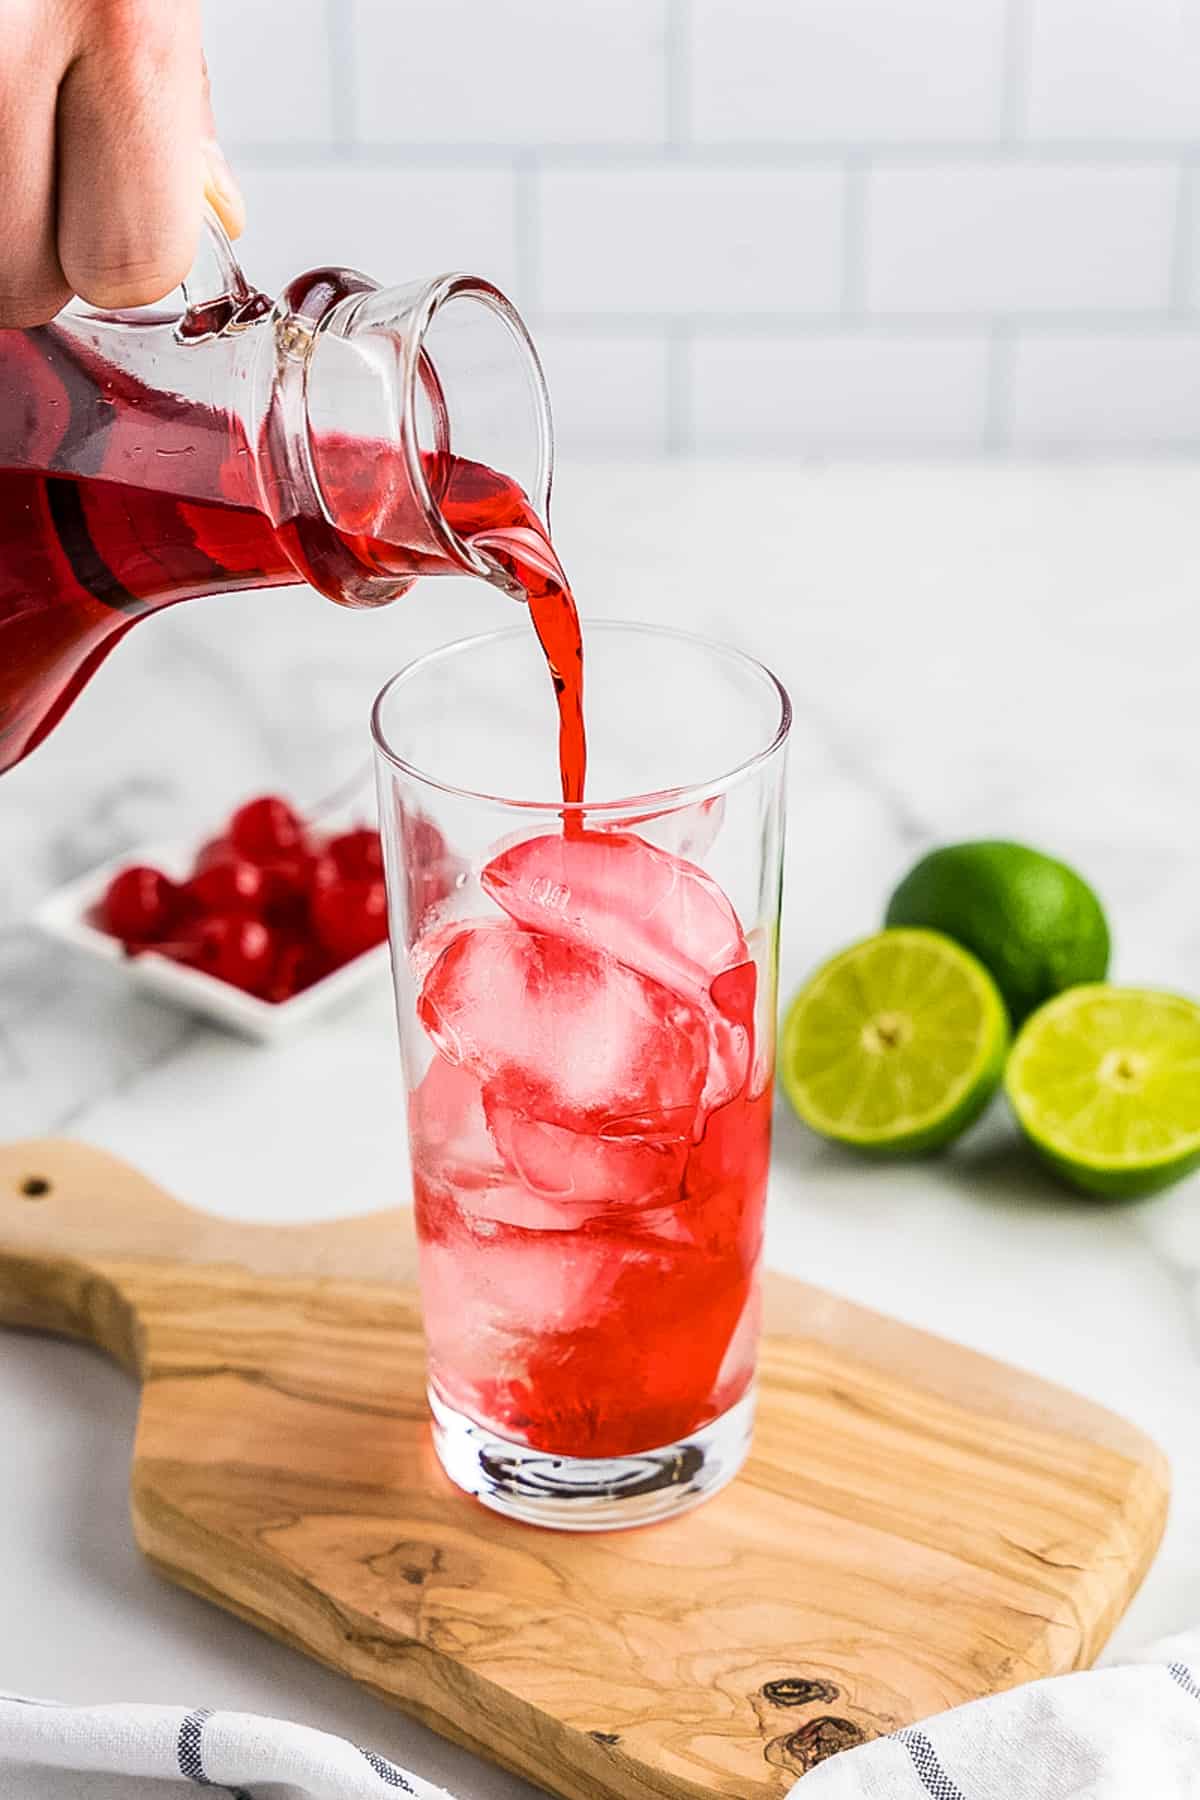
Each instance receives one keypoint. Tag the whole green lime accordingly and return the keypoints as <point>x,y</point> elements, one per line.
<point>1032,921</point>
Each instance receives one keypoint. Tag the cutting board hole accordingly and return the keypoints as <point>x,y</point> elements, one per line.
<point>35,1187</point>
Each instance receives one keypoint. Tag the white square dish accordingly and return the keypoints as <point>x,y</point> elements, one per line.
<point>65,915</point>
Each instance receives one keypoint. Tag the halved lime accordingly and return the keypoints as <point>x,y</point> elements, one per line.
<point>896,1045</point>
<point>1105,1083</point>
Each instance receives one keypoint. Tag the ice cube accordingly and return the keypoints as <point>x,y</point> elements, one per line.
<point>613,891</point>
<point>565,1034</point>
<point>654,912</point>
<point>429,869</point>
<point>730,1048</point>
<point>446,1119</point>
<point>507,1201</point>
<point>725,1183</point>
<point>488,1305</point>
<point>584,1174</point>
<point>518,1294</point>
<point>464,1190</point>
<point>479,1165</point>
<point>690,831</point>
<point>454,1160</point>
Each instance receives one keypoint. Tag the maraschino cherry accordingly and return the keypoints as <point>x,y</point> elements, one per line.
<point>270,905</point>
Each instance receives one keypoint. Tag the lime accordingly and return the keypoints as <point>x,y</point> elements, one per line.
<point>1105,1083</point>
<point>1031,920</point>
<point>896,1045</point>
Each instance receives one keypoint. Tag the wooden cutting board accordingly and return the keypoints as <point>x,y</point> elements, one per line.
<point>917,1525</point>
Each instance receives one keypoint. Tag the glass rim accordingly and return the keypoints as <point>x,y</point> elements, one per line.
<point>438,293</point>
<point>415,310</point>
<point>685,794</point>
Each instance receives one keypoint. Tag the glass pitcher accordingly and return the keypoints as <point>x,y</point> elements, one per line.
<point>346,435</point>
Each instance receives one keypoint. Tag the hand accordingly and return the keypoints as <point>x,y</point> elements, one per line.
<point>106,151</point>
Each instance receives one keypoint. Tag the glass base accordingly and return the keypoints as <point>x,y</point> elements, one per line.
<point>576,1493</point>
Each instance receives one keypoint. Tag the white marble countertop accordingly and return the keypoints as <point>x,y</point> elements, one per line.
<point>972,651</point>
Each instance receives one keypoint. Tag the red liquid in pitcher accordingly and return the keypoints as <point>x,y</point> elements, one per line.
<point>168,511</point>
<point>589,1141</point>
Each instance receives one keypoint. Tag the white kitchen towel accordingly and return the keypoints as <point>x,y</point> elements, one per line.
<point>1129,1732</point>
<point>51,1752</point>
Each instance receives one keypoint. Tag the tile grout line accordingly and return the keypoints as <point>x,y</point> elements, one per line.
<point>1018,50</point>
<point>912,326</point>
<point>854,241</point>
<point>998,333</point>
<point>677,76</point>
<point>750,158</point>
<point>680,424</point>
<point>1179,305</point>
<point>997,423</point>
<point>339,35</point>
<point>526,219</point>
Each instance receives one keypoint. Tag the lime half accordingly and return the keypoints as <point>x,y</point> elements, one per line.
<point>896,1045</point>
<point>1105,1083</point>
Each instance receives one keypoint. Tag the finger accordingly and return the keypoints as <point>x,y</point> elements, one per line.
<point>220,184</point>
<point>32,284</point>
<point>130,170</point>
<point>221,190</point>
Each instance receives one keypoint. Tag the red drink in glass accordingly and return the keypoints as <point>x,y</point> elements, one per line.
<point>586,1016</point>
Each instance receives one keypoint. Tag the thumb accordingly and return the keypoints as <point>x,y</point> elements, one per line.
<point>220,185</point>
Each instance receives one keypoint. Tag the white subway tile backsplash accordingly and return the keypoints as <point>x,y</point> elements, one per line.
<point>839,391</point>
<point>1020,236</point>
<point>394,224</point>
<point>849,71</point>
<point>1116,69</point>
<point>686,240</point>
<point>608,391</point>
<point>271,83</point>
<point>526,72</point>
<point>1107,391</point>
<point>785,226</point>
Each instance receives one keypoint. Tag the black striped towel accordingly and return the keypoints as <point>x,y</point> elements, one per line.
<point>52,1752</point>
<point>1130,1731</point>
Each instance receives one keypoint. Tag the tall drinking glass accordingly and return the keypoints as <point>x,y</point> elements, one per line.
<point>586,998</point>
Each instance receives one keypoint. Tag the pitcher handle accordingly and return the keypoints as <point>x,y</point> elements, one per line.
<point>216,295</point>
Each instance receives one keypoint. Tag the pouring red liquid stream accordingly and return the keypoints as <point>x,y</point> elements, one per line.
<point>82,557</point>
